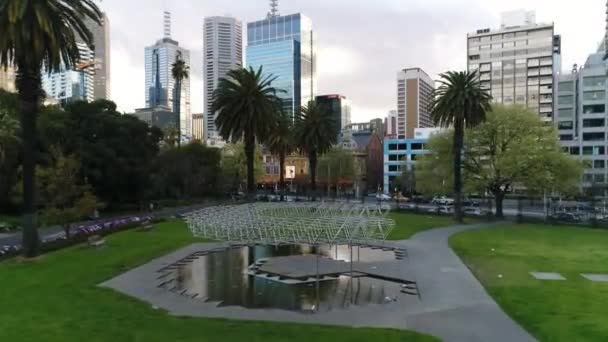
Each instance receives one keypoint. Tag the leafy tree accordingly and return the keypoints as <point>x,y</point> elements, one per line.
<point>459,102</point>
<point>35,35</point>
<point>281,144</point>
<point>192,172</point>
<point>180,71</point>
<point>9,128</point>
<point>65,198</point>
<point>234,166</point>
<point>406,181</point>
<point>512,148</point>
<point>337,165</point>
<point>315,134</point>
<point>247,108</point>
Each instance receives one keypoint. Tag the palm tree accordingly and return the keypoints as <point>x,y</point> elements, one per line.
<point>280,143</point>
<point>35,35</point>
<point>247,108</point>
<point>180,71</point>
<point>459,102</point>
<point>315,133</point>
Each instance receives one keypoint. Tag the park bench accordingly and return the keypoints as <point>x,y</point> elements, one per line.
<point>96,241</point>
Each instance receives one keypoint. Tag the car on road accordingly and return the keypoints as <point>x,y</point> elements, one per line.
<point>444,209</point>
<point>567,217</point>
<point>442,200</point>
<point>383,197</point>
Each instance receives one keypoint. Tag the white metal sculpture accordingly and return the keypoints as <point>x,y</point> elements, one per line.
<point>293,223</point>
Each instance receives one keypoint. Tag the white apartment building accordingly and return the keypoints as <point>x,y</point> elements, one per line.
<point>222,52</point>
<point>75,84</point>
<point>414,98</point>
<point>517,62</point>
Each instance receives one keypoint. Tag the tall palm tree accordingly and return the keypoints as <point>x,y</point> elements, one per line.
<point>315,133</point>
<point>280,143</point>
<point>180,71</point>
<point>459,102</point>
<point>247,107</point>
<point>39,34</point>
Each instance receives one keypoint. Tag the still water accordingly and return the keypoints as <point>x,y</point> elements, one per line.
<point>222,277</point>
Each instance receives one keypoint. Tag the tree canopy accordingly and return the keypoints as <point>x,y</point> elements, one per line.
<point>512,149</point>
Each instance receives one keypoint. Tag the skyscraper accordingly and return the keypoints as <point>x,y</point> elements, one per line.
<point>101,50</point>
<point>390,124</point>
<point>339,107</point>
<point>414,96</point>
<point>75,84</point>
<point>284,47</point>
<point>518,61</point>
<point>223,51</point>
<point>198,126</point>
<point>160,85</point>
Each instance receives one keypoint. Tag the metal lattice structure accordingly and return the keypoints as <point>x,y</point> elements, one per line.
<point>293,223</point>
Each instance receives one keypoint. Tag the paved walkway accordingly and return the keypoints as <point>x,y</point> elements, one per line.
<point>453,306</point>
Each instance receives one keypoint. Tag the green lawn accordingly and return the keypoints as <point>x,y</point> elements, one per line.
<point>571,310</point>
<point>55,298</point>
<point>407,224</point>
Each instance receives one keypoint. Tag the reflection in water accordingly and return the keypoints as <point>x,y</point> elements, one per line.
<point>221,277</point>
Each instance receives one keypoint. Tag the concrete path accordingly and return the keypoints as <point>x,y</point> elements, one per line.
<point>454,306</point>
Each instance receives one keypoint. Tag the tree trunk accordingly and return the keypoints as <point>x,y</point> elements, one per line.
<point>66,229</point>
<point>28,85</point>
<point>313,171</point>
<point>282,175</point>
<point>499,196</point>
<point>250,155</point>
<point>178,109</point>
<point>458,142</point>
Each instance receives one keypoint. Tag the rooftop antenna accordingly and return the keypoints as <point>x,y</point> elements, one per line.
<point>274,9</point>
<point>166,24</point>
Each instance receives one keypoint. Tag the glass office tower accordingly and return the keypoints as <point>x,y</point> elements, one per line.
<point>284,47</point>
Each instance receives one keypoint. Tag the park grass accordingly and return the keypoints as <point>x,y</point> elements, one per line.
<point>408,224</point>
<point>56,298</point>
<point>571,310</point>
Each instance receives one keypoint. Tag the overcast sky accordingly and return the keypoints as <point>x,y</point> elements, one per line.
<point>361,44</point>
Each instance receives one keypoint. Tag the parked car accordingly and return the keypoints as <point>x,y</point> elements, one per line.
<point>383,197</point>
<point>470,203</point>
<point>442,200</point>
<point>444,209</point>
<point>567,217</point>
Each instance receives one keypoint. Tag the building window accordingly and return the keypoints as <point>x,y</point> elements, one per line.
<point>566,86</point>
<point>565,99</point>
<point>402,147</point>
<point>392,157</point>
<point>595,136</point>
<point>575,150</point>
<point>594,95</point>
<point>593,122</point>
<point>564,113</point>
<point>392,147</point>
<point>413,157</point>
<point>594,81</point>
<point>594,109</point>
<point>588,178</point>
<point>599,164</point>
<point>392,168</point>
<point>565,137</point>
<point>417,147</point>
<point>565,125</point>
<point>593,150</point>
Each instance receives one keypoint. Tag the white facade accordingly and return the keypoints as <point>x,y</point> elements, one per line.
<point>390,124</point>
<point>222,52</point>
<point>72,85</point>
<point>160,84</point>
<point>414,96</point>
<point>518,62</point>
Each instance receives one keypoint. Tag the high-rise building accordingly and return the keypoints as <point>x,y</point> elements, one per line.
<point>339,107</point>
<point>7,79</point>
<point>581,115</point>
<point>518,61</point>
<point>75,84</point>
<point>198,127</point>
<point>390,124</point>
<point>223,51</point>
<point>414,96</point>
<point>101,50</point>
<point>161,117</point>
<point>284,47</point>
<point>160,84</point>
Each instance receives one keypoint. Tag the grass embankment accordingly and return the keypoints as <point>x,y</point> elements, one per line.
<point>571,310</point>
<point>56,298</point>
